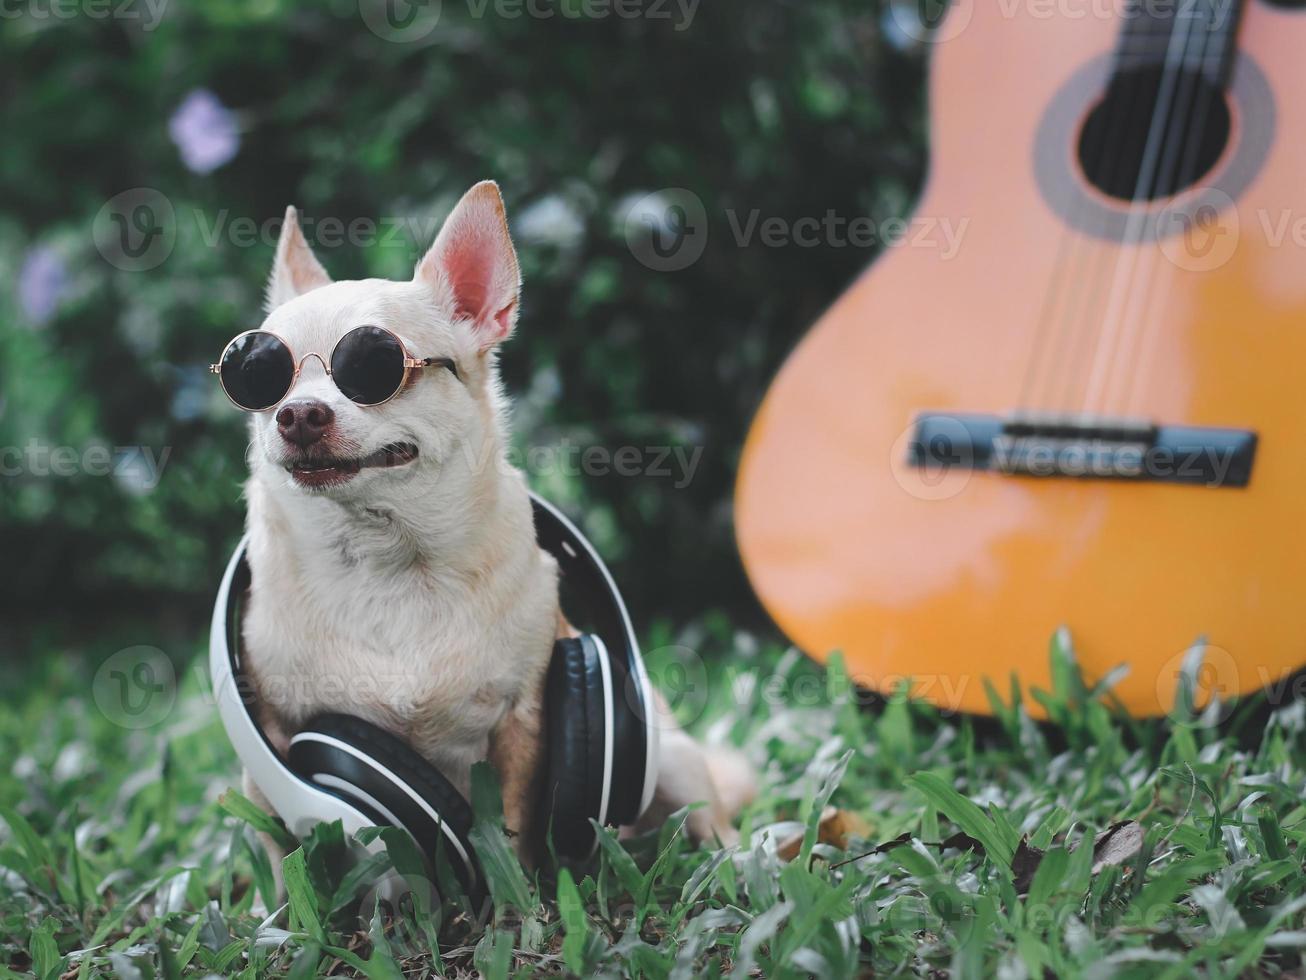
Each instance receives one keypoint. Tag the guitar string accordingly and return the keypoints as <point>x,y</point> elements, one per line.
<point>1223,46</point>
<point>1045,345</point>
<point>1108,324</point>
<point>1040,390</point>
<point>1035,393</point>
<point>1136,221</point>
<point>1084,322</point>
<point>1079,324</point>
<point>1143,259</point>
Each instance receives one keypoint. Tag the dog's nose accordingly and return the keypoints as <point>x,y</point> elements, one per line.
<point>304,422</point>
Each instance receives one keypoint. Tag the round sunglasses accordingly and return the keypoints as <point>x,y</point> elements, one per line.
<point>370,365</point>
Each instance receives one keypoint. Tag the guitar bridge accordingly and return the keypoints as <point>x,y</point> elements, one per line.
<point>1083,447</point>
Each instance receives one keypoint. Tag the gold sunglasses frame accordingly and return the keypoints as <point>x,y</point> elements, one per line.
<point>411,364</point>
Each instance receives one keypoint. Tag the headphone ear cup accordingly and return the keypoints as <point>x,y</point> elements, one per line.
<point>580,747</point>
<point>385,778</point>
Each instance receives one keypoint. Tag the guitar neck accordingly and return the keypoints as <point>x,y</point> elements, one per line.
<point>1194,35</point>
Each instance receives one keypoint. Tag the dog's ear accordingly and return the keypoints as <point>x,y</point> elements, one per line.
<point>473,266</point>
<point>296,269</point>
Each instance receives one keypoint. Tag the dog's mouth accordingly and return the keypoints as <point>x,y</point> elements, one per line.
<point>328,471</point>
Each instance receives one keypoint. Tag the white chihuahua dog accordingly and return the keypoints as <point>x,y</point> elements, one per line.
<point>396,575</point>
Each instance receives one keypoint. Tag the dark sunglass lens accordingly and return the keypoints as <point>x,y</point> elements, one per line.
<point>368,365</point>
<point>257,371</point>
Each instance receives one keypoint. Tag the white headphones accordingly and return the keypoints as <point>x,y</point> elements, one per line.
<point>601,757</point>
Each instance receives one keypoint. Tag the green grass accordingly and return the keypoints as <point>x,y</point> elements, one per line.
<point>120,860</point>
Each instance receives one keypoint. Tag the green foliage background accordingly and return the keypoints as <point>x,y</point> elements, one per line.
<point>791,108</point>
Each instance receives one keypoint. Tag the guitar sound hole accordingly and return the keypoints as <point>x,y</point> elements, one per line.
<point>1189,136</point>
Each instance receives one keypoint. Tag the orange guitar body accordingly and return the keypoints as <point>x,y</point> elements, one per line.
<point>947,578</point>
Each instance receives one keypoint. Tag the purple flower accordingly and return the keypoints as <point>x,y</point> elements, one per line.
<point>41,283</point>
<point>205,131</point>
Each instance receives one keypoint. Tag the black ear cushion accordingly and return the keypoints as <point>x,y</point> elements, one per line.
<point>577,745</point>
<point>310,756</point>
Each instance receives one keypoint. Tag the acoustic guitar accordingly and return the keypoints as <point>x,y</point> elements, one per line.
<point>1091,413</point>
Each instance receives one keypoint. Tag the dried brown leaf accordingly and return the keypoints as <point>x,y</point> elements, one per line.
<point>835,828</point>
<point>1117,844</point>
